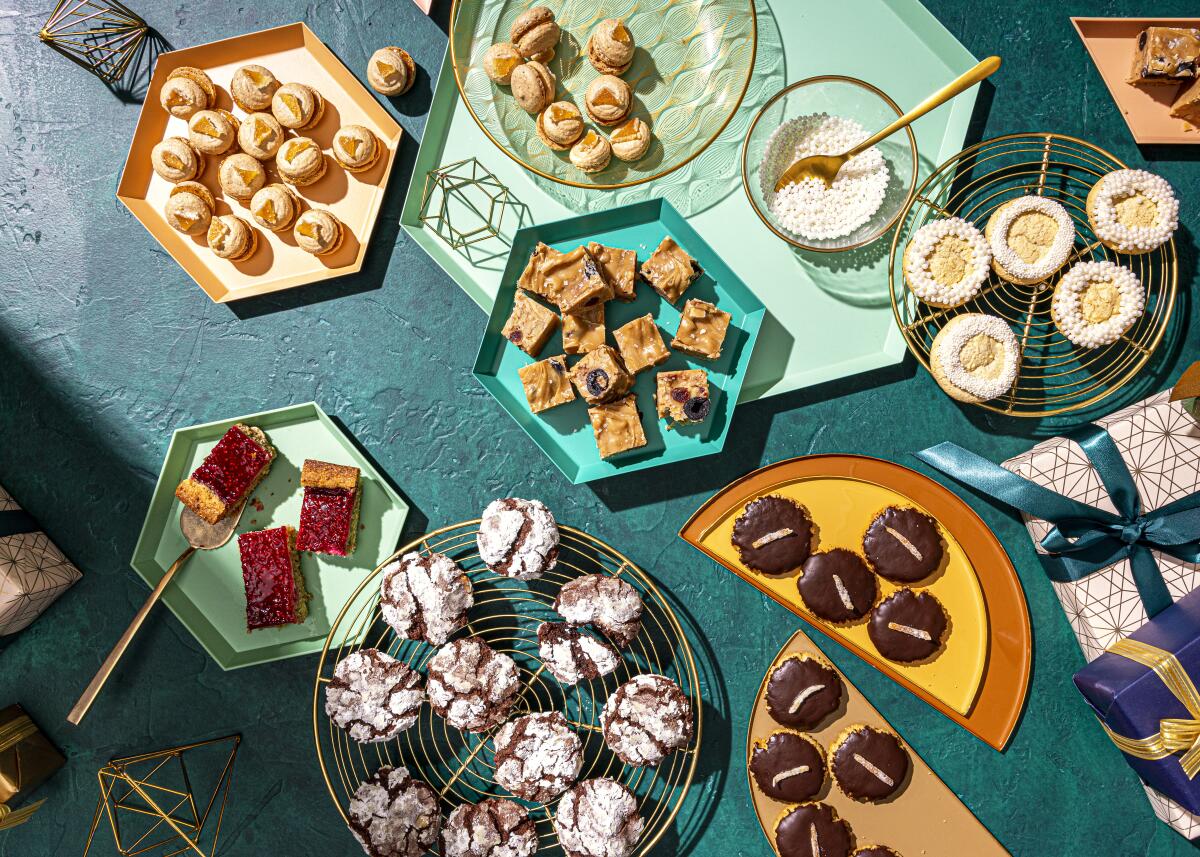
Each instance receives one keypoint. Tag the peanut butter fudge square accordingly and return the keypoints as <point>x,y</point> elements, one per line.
<point>682,397</point>
<point>619,268</point>
<point>908,626</point>
<point>773,535</point>
<point>394,815</point>
<point>802,691</point>
<point>583,330</point>
<point>812,830</point>
<point>617,426</point>
<point>573,281</point>
<point>531,279</point>
<point>868,764</point>
<point>609,604</point>
<point>903,545</point>
<point>670,270</point>
<point>645,719</point>
<point>641,344</point>
<point>494,827</point>
<point>601,377</point>
<point>538,756</point>
<point>788,766</point>
<point>547,383</point>
<point>529,325</point>
<point>702,329</point>
<point>598,818</point>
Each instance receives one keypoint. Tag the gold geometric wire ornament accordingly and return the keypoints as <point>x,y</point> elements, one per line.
<point>459,766</point>
<point>479,197</point>
<point>1055,376</point>
<point>151,804</point>
<point>103,36</point>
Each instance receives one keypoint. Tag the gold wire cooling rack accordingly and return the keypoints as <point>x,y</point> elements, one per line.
<point>1055,376</point>
<point>458,765</point>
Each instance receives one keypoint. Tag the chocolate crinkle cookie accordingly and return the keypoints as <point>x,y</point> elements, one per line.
<point>373,696</point>
<point>518,538</point>
<point>494,827</point>
<point>394,815</point>
<point>609,604</point>
<point>773,534</point>
<point>538,756</point>
<point>645,719</point>
<point>425,597</point>
<point>598,818</point>
<point>572,656</point>
<point>471,685</point>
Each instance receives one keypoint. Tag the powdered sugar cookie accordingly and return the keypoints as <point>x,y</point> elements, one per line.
<point>471,685</point>
<point>1096,302</point>
<point>609,604</point>
<point>598,818</point>
<point>646,718</point>
<point>518,538</point>
<point>975,357</point>
<point>394,815</point>
<point>494,827</point>
<point>425,597</point>
<point>1133,211</point>
<point>572,656</point>
<point>373,696</point>
<point>538,756</point>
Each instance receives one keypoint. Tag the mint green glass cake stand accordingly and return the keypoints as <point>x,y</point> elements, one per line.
<point>829,316</point>
<point>208,595</point>
<point>565,433</point>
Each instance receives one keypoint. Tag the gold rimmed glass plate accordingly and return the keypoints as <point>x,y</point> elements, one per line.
<point>1055,376</point>
<point>459,766</point>
<point>690,72</point>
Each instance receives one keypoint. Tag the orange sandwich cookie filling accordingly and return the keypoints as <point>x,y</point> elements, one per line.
<point>176,160</point>
<point>275,207</point>
<point>391,71</point>
<point>318,232</point>
<point>355,148</point>
<point>189,208</point>
<point>252,88</point>
<point>186,91</point>
<point>300,161</point>
<point>230,237</point>
<point>213,132</point>
<point>260,135</point>
<point>297,106</point>
<point>241,176</point>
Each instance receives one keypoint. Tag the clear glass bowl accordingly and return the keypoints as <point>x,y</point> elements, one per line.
<point>838,96</point>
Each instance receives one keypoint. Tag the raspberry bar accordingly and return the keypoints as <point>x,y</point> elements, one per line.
<point>228,474</point>
<point>329,512</point>
<point>275,593</point>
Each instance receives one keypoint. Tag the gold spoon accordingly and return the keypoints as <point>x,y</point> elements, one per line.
<point>200,535</point>
<point>825,167</point>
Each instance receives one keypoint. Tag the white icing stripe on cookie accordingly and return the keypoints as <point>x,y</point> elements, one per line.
<point>911,631</point>
<point>1056,254</point>
<point>880,775</point>
<point>1125,183</point>
<point>788,774</point>
<point>842,593</point>
<point>814,843</point>
<point>804,694</point>
<point>773,536</point>
<point>908,546</point>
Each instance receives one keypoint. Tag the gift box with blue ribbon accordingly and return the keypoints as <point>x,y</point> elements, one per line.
<point>33,571</point>
<point>1144,691</point>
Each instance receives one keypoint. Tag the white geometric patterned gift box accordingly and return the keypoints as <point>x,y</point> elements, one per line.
<point>1160,442</point>
<point>33,572</point>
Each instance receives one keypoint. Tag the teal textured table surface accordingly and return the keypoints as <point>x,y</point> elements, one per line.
<point>106,346</point>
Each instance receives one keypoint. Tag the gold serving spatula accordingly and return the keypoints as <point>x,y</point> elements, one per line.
<point>825,167</point>
<point>200,535</point>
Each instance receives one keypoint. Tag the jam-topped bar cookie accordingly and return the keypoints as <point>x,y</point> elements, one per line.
<point>529,325</point>
<point>275,593</point>
<point>228,473</point>
<point>670,270</point>
<point>329,512</point>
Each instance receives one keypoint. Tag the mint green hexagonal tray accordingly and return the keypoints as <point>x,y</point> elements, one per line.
<point>565,433</point>
<point>208,595</point>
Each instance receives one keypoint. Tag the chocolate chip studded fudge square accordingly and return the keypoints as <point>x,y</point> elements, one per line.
<point>670,270</point>
<point>600,377</point>
<point>583,331</point>
<point>1166,55</point>
<point>574,282</point>
<point>641,344</point>
<point>618,426</point>
<point>619,268</point>
<point>547,383</point>
<point>529,325</point>
<point>531,279</point>
<point>702,329</point>
<point>682,397</point>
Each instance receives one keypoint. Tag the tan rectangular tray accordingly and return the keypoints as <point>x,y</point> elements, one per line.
<point>292,53</point>
<point>925,818</point>
<point>1146,109</point>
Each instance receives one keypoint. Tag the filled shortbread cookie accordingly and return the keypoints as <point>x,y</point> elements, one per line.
<point>1133,211</point>
<point>946,262</point>
<point>1031,238</point>
<point>1096,302</point>
<point>975,357</point>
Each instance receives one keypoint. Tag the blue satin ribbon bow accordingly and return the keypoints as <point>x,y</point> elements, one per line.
<point>1084,539</point>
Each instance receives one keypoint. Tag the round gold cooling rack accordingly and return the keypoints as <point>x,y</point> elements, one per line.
<point>459,766</point>
<point>1055,376</point>
<point>706,88</point>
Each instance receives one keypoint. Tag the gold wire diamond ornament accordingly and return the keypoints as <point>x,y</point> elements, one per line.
<point>464,203</point>
<point>163,803</point>
<point>103,36</point>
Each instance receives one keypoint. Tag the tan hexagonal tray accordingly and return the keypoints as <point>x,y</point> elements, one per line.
<point>293,53</point>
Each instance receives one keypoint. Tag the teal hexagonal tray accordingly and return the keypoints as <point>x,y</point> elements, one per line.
<point>564,433</point>
<point>208,595</point>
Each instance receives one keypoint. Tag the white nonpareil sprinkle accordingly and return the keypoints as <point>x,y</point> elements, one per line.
<point>1125,183</point>
<point>920,248</point>
<point>1056,254</point>
<point>1072,289</point>
<point>807,208</point>
<point>951,339</point>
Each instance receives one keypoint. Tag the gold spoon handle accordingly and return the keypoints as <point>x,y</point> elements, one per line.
<point>961,83</point>
<point>93,690</point>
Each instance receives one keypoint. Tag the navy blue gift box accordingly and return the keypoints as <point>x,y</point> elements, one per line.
<point>1144,690</point>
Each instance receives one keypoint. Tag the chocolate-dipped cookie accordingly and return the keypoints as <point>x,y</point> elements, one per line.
<point>837,585</point>
<point>908,626</point>
<point>812,830</point>
<point>875,851</point>
<point>868,764</point>
<point>802,692</point>
<point>773,534</point>
<point>903,545</point>
<point>788,766</point>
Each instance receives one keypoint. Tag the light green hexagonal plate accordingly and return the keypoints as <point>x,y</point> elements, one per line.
<point>208,595</point>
